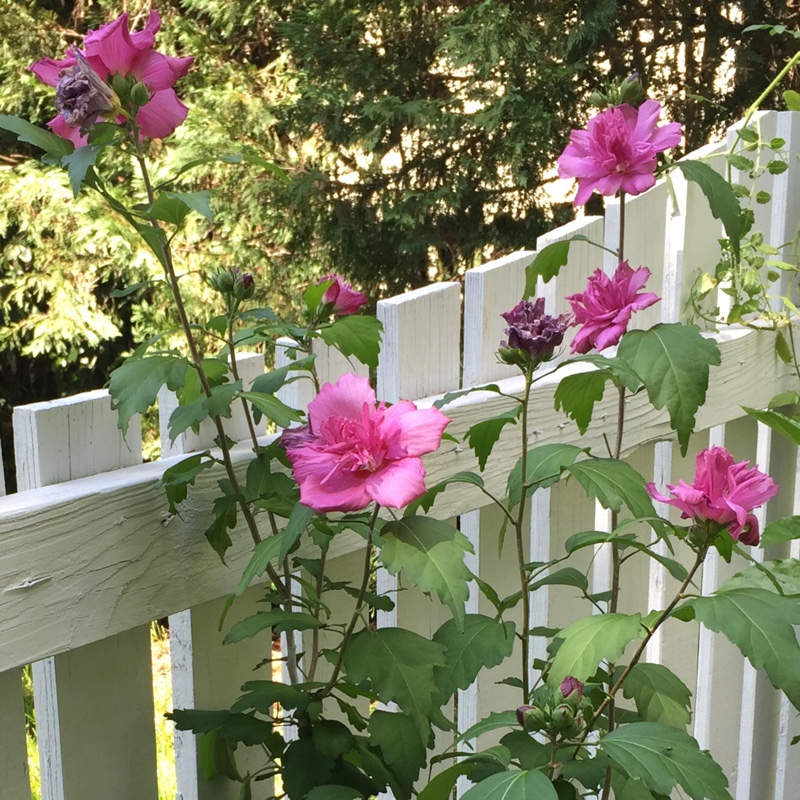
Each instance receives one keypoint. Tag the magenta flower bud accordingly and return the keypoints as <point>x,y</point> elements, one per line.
<point>570,685</point>
<point>606,307</point>
<point>532,335</point>
<point>341,296</point>
<point>724,493</point>
<point>617,151</point>
<point>244,286</point>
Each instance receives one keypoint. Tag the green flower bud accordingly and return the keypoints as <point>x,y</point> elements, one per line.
<point>531,718</point>
<point>222,281</point>
<point>139,95</point>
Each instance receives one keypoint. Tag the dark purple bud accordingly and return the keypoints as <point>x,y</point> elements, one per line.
<point>570,685</point>
<point>531,332</point>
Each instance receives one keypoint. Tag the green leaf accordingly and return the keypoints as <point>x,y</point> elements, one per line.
<point>663,757</point>
<point>588,641</point>
<point>548,263</point>
<point>134,386</point>
<point>568,576</point>
<point>441,786</point>
<point>404,751</point>
<point>522,785</point>
<point>659,694</point>
<point>786,426</point>
<point>332,792</point>
<point>760,623</point>
<point>722,201</point>
<point>78,163</point>
<point>272,408</point>
<point>450,396</point>
<point>673,360</point>
<point>191,415</point>
<point>740,162</point>
<point>629,789</point>
<point>577,395</point>
<point>262,695</point>
<point>176,478</point>
<point>495,720</point>
<point>427,500</point>
<point>544,465</point>
<point>400,666</point>
<point>777,167</point>
<point>264,552</point>
<point>612,483</point>
<point>431,553</point>
<point>304,767</point>
<point>32,134</point>
<point>785,572</point>
<point>784,530</point>
<point>199,202</point>
<point>483,436</point>
<point>299,520</point>
<point>271,382</point>
<point>356,335</point>
<point>282,621</point>
<point>792,100</point>
<point>482,643</point>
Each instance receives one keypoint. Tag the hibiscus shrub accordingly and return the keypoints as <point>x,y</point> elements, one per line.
<point>356,466</point>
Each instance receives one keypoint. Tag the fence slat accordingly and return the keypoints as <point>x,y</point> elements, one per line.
<point>87,747</point>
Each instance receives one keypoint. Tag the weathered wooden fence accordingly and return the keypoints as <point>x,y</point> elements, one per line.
<point>89,554</point>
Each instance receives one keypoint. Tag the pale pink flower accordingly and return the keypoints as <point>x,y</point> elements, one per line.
<point>354,452</point>
<point>723,492</point>
<point>341,296</point>
<point>605,308</point>
<point>113,50</point>
<point>617,151</point>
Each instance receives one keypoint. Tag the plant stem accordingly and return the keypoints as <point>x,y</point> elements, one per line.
<point>356,610</point>
<point>621,248</point>
<point>235,372</point>
<point>701,554</point>
<point>518,529</point>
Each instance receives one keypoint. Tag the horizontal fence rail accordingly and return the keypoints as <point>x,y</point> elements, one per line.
<point>90,555</point>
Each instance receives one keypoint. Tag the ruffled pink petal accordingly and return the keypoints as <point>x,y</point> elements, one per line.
<point>643,301</point>
<point>345,398</point>
<point>159,118</point>
<point>158,72</point>
<point>411,431</point>
<point>59,127</point>
<point>324,484</point>
<point>113,46</point>
<point>646,119</point>
<point>398,483</point>
<point>611,334</point>
<point>748,533</point>
<point>634,183</point>
<point>667,136</point>
<point>146,37</point>
<point>48,70</point>
<point>585,189</point>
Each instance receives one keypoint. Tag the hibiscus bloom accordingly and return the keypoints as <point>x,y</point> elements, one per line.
<point>606,307</point>
<point>354,452</point>
<point>532,335</point>
<point>340,296</point>
<point>617,151</point>
<point>113,50</point>
<point>723,492</point>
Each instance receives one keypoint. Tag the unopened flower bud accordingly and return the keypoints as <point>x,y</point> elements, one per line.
<point>531,718</point>
<point>140,95</point>
<point>631,91</point>
<point>82,95</point>
<point>222,281</point>
<point>572,687</point>
<point>244,286</point>
<point>563,719</point>
<point>598,100</point>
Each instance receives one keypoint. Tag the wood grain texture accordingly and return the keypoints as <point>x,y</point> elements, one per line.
<point>110,749</point>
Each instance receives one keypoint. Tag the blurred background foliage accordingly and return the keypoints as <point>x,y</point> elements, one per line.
<point>419,138</point>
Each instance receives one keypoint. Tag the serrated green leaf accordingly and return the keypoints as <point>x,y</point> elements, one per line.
<point>272,408</point>
<point>785,572</point>
<point>567,576</point>
<point>400,665</point>
<point>663,757</point>
<point>266,550</point>
<point>495,720</point>
<point>784,530</point>
<point>427,500</point>
<point>612,483</point>
<point>547,263</point>
<point>481,643</point>
<point>191,415</point>
<point>299,520</point>
<point>721,198</point>
<point>659,694</point>
<point>760,623</point>
<point>358,336</point>
<point>431,553</point>
<point>78,163</point>
<point>522,785</point>
<point>304,767</point>
<point>333,792</point>
<point>262,695</point>
<point>441,786</point>
<point>749,135</point>
<point>740,162</point>
<point>200,202</point>
<point>483,436</point>
<point>577,395</point>
<point>176,478</point>
<point>32,134</point>
<point>588,641</point>
<point>278,619</point>
<point>404,751</point>
<point>134,386</point>
<point>450,396</point>
<point>792,100</point>
<point>777,167</point>
<point>673,360</point>
<point>544,465</point>
<point>786,426</point>
<point>271,382</point>
<point>167,208</point>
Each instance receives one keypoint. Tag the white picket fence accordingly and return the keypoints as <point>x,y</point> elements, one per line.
<point>89,554</point>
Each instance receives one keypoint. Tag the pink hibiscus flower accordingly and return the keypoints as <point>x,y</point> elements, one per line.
<point>617,151</point>
<point>340,295</point>
<point>723,492</point>
<point>113,50</point>
<point>354,452</point>
<point>605,308</point>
